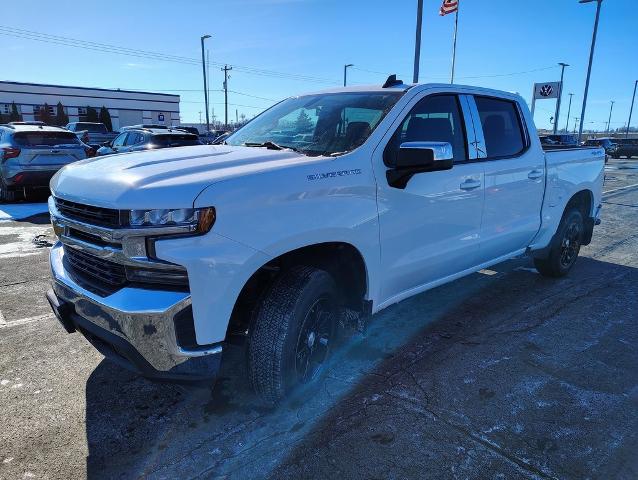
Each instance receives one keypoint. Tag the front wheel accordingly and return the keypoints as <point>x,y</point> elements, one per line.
<point>292,333</point>
<point>565,246</point>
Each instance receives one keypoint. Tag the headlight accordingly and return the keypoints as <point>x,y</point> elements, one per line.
<point>201,219</point>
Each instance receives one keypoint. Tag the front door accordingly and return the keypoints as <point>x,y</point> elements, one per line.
<point>430,230</point>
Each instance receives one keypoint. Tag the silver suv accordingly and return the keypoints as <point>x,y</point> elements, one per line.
<point>31,153</point>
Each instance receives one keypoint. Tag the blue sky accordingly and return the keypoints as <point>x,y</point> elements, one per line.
<point>316,38</point>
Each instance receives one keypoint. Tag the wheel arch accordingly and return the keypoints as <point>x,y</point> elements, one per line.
<point>342,260</point>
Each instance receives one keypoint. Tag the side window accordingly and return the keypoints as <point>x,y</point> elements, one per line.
<point>119,140</point>
<point>502,127</point>
<point>133,138</point>
<point>434,119</point>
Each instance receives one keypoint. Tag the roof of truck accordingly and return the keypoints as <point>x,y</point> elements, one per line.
<point>404,87</point>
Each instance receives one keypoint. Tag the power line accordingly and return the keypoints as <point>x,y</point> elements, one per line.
<point>510,74</point>
<point>114,49</point>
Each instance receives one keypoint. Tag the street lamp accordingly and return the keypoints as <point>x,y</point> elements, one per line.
<point>568,112</point>
<point>631,110</point>
<point>560,95</point>
<point>345,72</point>
<point>417,42</point>
<point>591,59</point>
<point>204,37</point>
<point>609,121</point>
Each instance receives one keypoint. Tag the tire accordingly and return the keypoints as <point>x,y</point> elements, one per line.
<point>292,332</point>
<point>565,246</point>
<point>6,195</point>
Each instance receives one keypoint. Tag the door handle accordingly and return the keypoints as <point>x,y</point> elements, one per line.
<point>470,185</point>
<point>535,174</point>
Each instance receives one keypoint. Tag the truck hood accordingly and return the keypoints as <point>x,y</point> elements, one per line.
<point>164,178</point>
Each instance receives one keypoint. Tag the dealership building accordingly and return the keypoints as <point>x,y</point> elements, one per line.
<point>126,107</point>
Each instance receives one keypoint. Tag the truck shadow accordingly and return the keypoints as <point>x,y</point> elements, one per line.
<point>475,346</point>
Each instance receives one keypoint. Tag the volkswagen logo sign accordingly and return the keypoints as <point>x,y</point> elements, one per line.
<point>546,90</point>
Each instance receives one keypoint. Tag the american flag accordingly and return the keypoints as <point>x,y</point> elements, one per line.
<point>449,6</point>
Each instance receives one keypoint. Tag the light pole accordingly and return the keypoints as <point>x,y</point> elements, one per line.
<point>345,72</point>
<point>609,121</point>
<point>417,43</point>
<point>560,96</point>
<point>591,60</point>
<point>631,110</point>
<point>569,109</point>
<point>575,123</point>
<point>204,37</point>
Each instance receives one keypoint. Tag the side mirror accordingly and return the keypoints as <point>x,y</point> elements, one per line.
<point>419,157</point>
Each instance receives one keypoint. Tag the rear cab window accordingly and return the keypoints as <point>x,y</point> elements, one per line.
<point>45,139</point>
<point>502,127</point>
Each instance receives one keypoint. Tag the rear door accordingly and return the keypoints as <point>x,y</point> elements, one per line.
<point>430,229</point>
<point>44,149</point>
<point>514,177</point>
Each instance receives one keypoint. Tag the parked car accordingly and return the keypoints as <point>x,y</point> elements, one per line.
<point>545,140</point>
<point>221,139</point>
<point>192,130</point>
<point>31,153</point>
<point>626,148</point>
<point>155,126</point>
<point>404,188</point>
<point>148,139</point>
<point>211,137</point>
<point>91,133</point>
<point>565,139</point>
<point>607,143</point>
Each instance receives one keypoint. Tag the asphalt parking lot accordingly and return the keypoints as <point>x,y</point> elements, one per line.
<point>503,374</point>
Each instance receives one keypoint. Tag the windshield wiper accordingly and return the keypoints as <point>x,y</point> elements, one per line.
<point>270,146</point>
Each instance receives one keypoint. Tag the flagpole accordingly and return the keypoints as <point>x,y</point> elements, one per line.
<point>456,28</point>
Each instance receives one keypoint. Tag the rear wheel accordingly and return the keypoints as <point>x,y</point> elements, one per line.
<point>565,246</point>
<point>6,195</point>
<point>292,333</point>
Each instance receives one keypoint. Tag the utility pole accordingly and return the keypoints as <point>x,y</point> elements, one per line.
<point>417,43</point>
<point>200,117</point>
<point>591,60</point>
<point>560,96</point>
<point>569,110</point>
<point>204,37</point>
<point>345,72</point>
<point>631,110</point>
<point>609,121</point>
<point>236,116</point>
<point>226,69</point>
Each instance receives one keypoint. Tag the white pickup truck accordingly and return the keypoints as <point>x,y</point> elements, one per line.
<point>325,209</point>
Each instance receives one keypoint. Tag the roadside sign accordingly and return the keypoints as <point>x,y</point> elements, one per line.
<point>546,90</point>
<point>160,117</point>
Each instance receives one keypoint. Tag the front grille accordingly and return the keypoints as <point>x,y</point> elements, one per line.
<point>106,217</point>
<point>96,268</point>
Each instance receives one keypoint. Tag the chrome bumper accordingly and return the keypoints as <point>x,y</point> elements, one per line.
<point>143,319</point>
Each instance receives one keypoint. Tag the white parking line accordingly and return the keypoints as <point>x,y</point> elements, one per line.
<point>21,210</point>
<point>23,321</point>
<point>626,187</point>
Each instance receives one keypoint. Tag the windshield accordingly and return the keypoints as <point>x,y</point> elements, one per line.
<point>325,124</point>
<point>45,139</point>
<point>162,141</point>
<point>91,127</point>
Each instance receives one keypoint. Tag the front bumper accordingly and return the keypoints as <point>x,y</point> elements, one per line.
<point>135,327</point>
